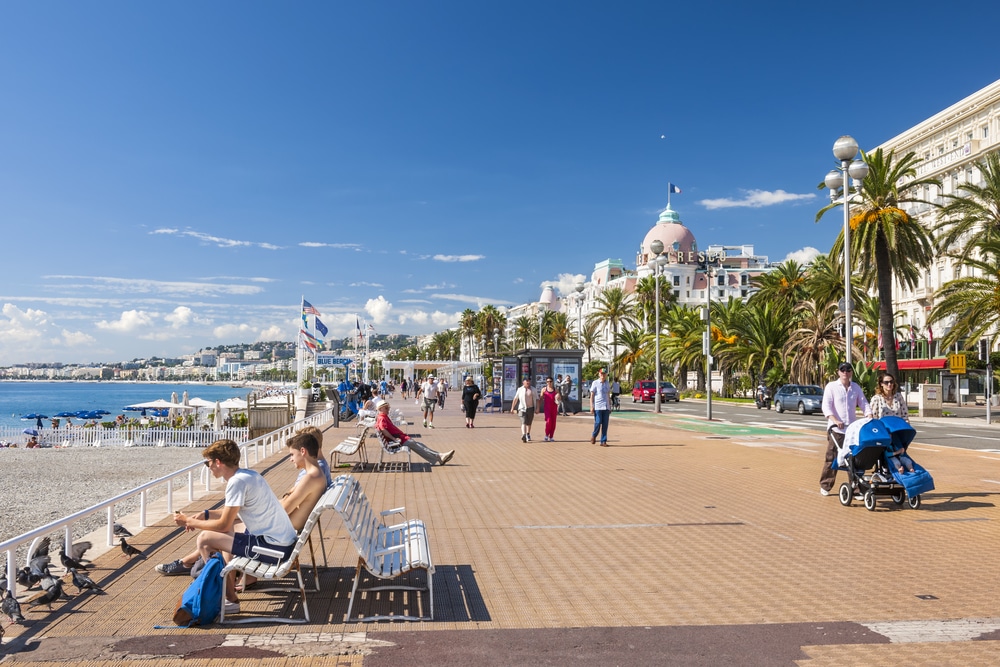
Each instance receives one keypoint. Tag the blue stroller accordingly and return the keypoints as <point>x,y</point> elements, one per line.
<point>877,441</point>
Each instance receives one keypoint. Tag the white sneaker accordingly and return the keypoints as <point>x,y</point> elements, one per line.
<point>447,456</point>
<point>823,492</point>
<point>430,424</point>
<point>425,423</point>
<point>231,607</point>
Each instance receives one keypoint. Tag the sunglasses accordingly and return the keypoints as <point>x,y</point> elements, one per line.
<point>208,463</point>
<point>888,382</point>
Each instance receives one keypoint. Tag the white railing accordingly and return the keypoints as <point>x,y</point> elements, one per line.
<point>261,448</point>
<point>122,437</point>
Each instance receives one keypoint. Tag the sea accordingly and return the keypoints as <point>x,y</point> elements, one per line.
<point>48,398</point>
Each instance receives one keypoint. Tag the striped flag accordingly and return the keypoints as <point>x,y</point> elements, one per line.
<point>308,308</point>
<point>308,340</point>
<point>673,189</point>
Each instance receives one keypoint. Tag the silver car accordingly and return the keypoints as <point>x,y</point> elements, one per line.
<point>805,398</point>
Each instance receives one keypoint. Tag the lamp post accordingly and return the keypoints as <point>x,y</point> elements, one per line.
<point>496,341</point>
<point>541,316</point>
<point>845,150</point>
<point>579,313</point>
<point>657,248</point>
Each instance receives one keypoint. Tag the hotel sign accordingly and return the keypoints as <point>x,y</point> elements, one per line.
<point>677,257</point>
<point>942,161</point>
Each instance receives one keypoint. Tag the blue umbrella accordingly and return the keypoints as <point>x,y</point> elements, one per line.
<point>30,431</point>
<point>102,412</point>
<point>35,415</point>
<point>66,414</point>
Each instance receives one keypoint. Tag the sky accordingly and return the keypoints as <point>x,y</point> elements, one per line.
<point>180,175</point>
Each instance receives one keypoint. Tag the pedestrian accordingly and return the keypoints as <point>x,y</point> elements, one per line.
<point>402,389</point>
<point>524,403</point>
<point>429,391</point>
<point>442,392</point>
<point>470,401</point>
<point>600,406</point>
<point>398,438</point>
<point>841,399</point>
<point>550,408</point>
<point>888,401</point>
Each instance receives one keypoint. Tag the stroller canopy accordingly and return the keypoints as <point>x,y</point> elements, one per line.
<point>901,432</point>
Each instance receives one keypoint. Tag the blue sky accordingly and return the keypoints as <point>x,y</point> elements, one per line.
<point>174,175</point>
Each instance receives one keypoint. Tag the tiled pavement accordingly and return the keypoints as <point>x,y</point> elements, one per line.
<point>692,534</point>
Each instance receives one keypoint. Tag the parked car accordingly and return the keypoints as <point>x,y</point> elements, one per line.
<point>806,398</point>
<point>645,390</point>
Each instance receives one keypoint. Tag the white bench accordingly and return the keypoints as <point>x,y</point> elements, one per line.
<point>351,446</point>
<point>385,551</point>
<point>392,448</point>
<point>280,570</point>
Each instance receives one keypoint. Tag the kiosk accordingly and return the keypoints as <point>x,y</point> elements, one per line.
<point>536,365</point>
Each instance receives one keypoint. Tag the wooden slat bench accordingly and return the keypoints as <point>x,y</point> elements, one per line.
<point>385,551</point>
<point>273,572</point>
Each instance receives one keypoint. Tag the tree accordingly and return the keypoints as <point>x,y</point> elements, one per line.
<point>973,216</point>
<point>614,309</point>
<point>786,283</point>
<point>974,301</point>
<point>887,242</point>
<point>524,332</point>
<point>591,339</point>
<point>467,326</point>
<point>558,333</point>
<point>682,345</point>
<point>645,299</point>
<point>816,334</point>
<point>762,335</point>
<point>635,354</point>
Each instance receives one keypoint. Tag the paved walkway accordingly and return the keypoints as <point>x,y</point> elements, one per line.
<point>682,543</point>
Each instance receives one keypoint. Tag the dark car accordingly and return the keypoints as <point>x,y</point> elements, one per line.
<point>805,398</point>
<point>645,390</point>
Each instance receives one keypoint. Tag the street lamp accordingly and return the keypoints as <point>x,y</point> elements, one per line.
<point>496,341</point>
<point>579,312</point>
<point>541,315</point>
<point>657,265</point>
<point>845,149</point>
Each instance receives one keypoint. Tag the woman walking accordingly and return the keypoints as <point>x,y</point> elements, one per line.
<point>550,407</point>
<point>470,402</point>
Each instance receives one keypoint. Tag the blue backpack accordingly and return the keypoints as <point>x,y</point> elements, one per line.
<point>202,601</point>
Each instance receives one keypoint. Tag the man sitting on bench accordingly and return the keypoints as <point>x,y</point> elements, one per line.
<point>391,432</point>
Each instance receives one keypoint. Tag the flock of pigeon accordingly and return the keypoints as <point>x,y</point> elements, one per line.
<point>37,574</point>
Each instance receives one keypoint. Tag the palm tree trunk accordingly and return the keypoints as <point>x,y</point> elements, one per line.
<point>883,269</point>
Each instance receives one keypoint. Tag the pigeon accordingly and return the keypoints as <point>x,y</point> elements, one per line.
<point>69,562</point>
<point>49,596</point>
<point>41,549</point>
<point>121,531</point>
<point>11,607</point>
<point>47,581</point>
<point>83,582</point>
<point>129,550</point>
<point>78,549</point>
<point>25,578</point>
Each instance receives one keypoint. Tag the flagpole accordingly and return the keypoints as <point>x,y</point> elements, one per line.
<point>298,347</point>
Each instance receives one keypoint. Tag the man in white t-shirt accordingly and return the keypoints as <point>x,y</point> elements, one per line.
<point>525,401</point>
<point>429,391</point>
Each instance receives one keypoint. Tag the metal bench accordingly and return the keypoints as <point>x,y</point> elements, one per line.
<point>351,446</point>
<point>280,570</point>
<point>385,551</point>
<point>392,448</point>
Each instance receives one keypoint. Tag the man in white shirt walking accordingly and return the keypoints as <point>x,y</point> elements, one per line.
<point>429,391</point>
<point>841,399</point>
<point>525,401</point>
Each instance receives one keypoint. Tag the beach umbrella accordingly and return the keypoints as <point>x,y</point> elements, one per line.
<point>66,414</point>
<point>102,412</point>
<point>234,404</point>
<point>159,404</point>
<point>201,403</point>
<point>217,424</point>
<point>34,415</point>
<point>30,431</point>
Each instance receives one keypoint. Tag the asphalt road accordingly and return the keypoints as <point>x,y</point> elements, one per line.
<point>967,429</point>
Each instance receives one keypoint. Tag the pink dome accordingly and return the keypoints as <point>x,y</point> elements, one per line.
<point>669,230</point>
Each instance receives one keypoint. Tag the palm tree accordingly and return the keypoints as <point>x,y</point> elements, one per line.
<point>559,335</point>
<point>726,318</point>
<point>682,345</point>
<point>467,326</point>
<point>524,332</point>
<point>591,339</point>
<point>614,309</point>
<point>635,353</point>
<point>886,242</point>
<point>787,283</point>
<point>645,299</point>
<point>806,347</point>
<point>762,335</point>
<point>974,301</point>
<point>973,216</point>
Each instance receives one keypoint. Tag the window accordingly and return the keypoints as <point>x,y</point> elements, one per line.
<point>677,281</point>
<point>957,272</point>
<point>677,294</point>
<point>968,136</point>
<point>720,280</point>
<point>986,131</point>
<point>744,280</point>
<point>722,293</point>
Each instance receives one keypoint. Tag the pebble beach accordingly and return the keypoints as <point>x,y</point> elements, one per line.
<point>43,485</point>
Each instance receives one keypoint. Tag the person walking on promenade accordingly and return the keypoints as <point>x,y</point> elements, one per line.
<point>470,401</point>
<point>600,407</point>
<point>524,402</point>
<point>442,392</point>
<point>429,391</point>
<point>402,388</point>
<point>550,408</point>
<point>888,401</point>
<point>393,434</point>
<point>841,399</point>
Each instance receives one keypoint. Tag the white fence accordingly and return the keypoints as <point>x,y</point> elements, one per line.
<point>99,436</point>
<point>253,452</point>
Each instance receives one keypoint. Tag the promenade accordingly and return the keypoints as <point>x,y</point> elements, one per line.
<point>683,543</point>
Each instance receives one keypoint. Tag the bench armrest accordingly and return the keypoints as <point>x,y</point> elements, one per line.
<point>395,510</point>
<point>264,551</point>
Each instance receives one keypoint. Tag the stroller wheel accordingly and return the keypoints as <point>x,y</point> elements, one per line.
<point>870,501</point>
<point>899,497</point>
<point>915,502</point>
<point>846,495</point>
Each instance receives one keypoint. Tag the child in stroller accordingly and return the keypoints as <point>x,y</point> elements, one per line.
<point>872,445</point>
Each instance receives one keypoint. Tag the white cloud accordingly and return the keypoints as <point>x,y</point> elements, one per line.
<point>365,284</point>
<point>458,258</point>
<point>566,282</point>
<point>273,332</point>
<point>217,240</point>
<point>130,320</point>
<point>445,319</point>
<point>144,285</point>
<point>341,246</point>
<point>416,317</point>
<point>182,315</point>
<point>478,300</point>
<point>379,309</point>
<point>233,332</point>
<point>803,256</point>
<point>21,325</point>
<point>756,199</point>
<point>76,338</point>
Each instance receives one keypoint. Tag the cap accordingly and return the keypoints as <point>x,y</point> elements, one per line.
<point>430,377</point>
<point>379,403</point>
<point>845,367</point>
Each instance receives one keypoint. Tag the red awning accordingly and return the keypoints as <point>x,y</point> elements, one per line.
<point>915,364</point>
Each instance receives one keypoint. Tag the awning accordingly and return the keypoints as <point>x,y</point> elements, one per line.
<point>915,364</point>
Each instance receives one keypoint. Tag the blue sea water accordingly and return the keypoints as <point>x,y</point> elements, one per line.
<point>48,398</point>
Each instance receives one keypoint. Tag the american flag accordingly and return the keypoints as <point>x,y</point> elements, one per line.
<point>308,308</point>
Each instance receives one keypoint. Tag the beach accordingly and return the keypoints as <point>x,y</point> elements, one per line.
<point>44,485</point>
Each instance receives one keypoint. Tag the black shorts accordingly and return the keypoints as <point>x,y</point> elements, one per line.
<point>244,542</point>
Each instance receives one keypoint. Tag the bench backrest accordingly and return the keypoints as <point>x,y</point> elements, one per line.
<point>359,518</point>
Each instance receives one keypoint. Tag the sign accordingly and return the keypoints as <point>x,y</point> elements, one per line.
<point>331,360</point>
<point>956,363</point>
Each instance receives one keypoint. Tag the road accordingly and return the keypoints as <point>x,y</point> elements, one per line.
<point>967,429</point>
